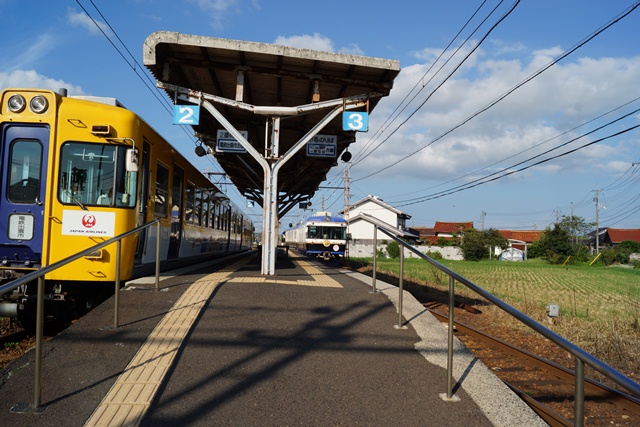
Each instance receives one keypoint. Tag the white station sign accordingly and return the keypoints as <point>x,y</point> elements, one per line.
<point>322,146</point>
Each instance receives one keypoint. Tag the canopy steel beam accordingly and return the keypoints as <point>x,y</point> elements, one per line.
<point>271,163</point>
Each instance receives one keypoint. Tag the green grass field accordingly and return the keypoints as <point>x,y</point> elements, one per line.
<point>582,291</point>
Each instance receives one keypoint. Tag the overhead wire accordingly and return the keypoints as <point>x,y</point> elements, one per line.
<point>448,76</point>
<point>446,193</point>
<point>420,81</point>
<point>455,69</point>
<point>486,178</point>
<point>565,54</point>
<point>144,78</point>
<point>476,171</point>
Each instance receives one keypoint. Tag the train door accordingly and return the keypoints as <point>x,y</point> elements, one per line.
<point>177,195</point>
<point>24,153</point>
<point>144,193</point>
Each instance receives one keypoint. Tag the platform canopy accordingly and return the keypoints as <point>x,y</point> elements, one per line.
<point>249,74</point>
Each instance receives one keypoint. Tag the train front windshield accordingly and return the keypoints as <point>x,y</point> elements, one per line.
<point>322,232</point>
<point>95,174</point>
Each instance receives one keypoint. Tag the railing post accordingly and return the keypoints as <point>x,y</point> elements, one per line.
<point>39,343</point>
<point>578,403</point>
<point>450,339</point>
<point>158,256</point>
<point>375,252</point>
<point>449,396</point>
<point>116,293</point>
<point>401,289</point>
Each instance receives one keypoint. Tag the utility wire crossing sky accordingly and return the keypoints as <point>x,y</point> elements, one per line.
<point>517,112</point>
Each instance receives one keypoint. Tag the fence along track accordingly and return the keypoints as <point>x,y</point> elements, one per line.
<point>537,380</point>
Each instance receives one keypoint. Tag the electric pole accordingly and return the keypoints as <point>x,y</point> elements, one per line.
<point>347,203</point>
<point>597,225</point>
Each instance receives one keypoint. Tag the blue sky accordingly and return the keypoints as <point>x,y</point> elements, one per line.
<point>429,157</point>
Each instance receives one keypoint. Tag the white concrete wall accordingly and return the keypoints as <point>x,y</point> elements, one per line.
<point>365,250</point>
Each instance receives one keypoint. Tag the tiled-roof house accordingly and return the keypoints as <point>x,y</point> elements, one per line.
<point>442,230</point>
<point>519,239</point>
<point>614,236</point>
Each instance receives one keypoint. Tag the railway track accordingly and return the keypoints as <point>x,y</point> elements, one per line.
<point>547,387</point>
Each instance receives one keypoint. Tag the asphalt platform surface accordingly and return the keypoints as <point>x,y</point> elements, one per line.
<point>309,346</point>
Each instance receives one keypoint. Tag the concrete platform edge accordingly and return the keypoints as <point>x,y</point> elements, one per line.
<point>498,402</point>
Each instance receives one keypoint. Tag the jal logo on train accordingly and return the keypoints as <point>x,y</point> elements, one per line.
<point>79,223</point>
<point>88,221</point>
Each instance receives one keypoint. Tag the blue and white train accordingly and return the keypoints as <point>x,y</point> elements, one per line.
<point>320,235</point>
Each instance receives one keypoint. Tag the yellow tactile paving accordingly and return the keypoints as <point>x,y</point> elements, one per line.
<point>129,398</point>
<point>318,278</point>
<point>321,279</point>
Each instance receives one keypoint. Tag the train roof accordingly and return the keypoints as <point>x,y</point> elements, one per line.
<point>100,99</point>
<point>326,218</point>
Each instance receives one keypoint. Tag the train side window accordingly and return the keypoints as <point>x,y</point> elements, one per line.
<point>126,182</point>
<point>205,209</point>
<point>191,194</point>
<point>198,207</point>
<point>162,191</point>
<point>214,212</point>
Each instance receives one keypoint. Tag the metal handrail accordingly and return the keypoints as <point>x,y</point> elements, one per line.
<point>39,275</point>
<point>580,355</point>
<point>49,268</point>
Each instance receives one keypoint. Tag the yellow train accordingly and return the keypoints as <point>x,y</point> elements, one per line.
<point>79,170</point>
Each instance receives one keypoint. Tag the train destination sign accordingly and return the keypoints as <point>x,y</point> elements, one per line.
<point>322,146</point>
<point>226,143</point>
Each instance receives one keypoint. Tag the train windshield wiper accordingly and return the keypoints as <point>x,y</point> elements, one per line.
<point>78,202</point>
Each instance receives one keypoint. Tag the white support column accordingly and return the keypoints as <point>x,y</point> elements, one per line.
<point>270,222</point>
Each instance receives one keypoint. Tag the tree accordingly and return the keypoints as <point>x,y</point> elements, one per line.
<point>555,244</point>
<point>477,245</point>
<point>393,249</point>
<point>577,228</point>
<point>624,249</point>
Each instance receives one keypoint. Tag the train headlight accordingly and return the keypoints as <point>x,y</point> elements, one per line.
<point>16,103</point>
<point>38,104</point>
<point>336,248</point>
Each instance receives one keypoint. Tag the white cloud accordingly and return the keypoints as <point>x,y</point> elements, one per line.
<point>317,42</point>
<point>31,53</point>
<point>80,19</point>
<point>568,94</point>
<point>31,79</point>
<point>352,49</point>
<point>306,41</point>
<point>216,9</point>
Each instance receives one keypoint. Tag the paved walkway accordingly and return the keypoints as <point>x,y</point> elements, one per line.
<point>224,345</point>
